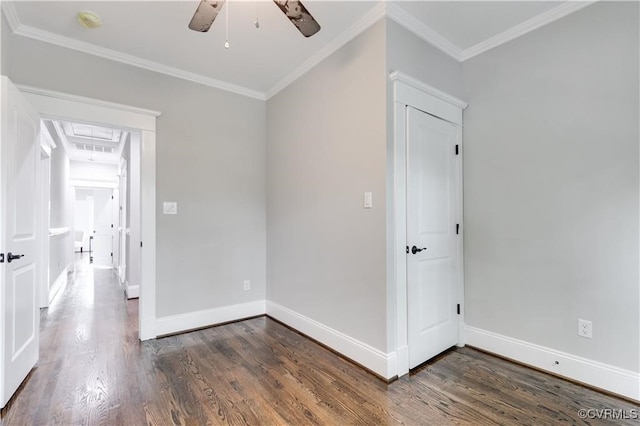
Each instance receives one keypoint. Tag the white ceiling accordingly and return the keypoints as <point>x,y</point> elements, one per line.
<point>154,34</point>
<point>468,23</point>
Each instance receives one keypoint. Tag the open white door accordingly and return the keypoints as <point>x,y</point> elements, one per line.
<point>122,222</point>
<point>115,243</point>
<point>102,246</point>
<point>19,309</point>
<point>433,261</point>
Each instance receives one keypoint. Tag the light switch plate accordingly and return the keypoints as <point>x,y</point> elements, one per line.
<point>368,200</point>
<point>170,207</point>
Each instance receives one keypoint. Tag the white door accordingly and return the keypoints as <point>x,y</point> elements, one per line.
<point>122,223</point>
<point>115,246</point>
<point>20,314</point>
<point>433,260</point>
<point>102,234</point>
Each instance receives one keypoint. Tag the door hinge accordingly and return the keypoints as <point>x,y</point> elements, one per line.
<point>112,226</point>
<point>112,197</point>
<point>457,149</point>
<point>140,243</point>
<point>457,228</point>
<point>1,257</point>
<point>458,309</point>
<point>111,254</point>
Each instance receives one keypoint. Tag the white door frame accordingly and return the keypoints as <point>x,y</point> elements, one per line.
<point>46,146</point>
<point>115,243</point>
<point>408,91</point>
<point>133,283</point>
<point>62,106</point>
<point>122,221</point>
<point>89,186</point>
<point>97,256</point>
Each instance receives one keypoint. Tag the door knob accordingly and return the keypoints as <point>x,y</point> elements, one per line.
<point>415,249</point>
<point>11,257</point>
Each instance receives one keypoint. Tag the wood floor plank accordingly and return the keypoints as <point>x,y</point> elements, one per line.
<point>93,370</point>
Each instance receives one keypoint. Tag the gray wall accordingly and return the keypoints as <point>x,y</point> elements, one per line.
<point>413,56</point>
<point>210,159</point>
<point>326,146</point>
<point>551,185</point>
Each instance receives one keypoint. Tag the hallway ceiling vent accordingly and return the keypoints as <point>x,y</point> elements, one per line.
<point>87,142</point>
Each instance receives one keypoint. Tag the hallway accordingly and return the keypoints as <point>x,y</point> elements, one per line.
<point>89,350</point>
<point>93,370</point>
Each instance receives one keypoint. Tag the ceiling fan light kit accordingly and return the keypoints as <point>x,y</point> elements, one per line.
<point>89,19</point>
<point>297,13</point>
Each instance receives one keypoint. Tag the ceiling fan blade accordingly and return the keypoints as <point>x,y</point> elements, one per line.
<point>205,15</point>
<point>299,16</point>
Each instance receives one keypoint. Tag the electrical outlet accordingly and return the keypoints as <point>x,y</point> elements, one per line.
<point>247,285</point>
<point>585,328</point>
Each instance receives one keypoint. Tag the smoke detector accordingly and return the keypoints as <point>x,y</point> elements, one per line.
<point>89,19</point>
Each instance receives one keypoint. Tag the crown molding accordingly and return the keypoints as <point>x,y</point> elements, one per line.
<point>378,12</point>
<point>92,49</point>
<point>527,26</point>
<point>409,22</point>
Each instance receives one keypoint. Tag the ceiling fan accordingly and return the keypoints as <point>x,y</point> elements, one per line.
<point>294,9</point>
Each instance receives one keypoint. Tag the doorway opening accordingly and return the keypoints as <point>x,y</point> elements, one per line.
<point>426,251</point>
<point>87,199</point>
<point>140,124</point>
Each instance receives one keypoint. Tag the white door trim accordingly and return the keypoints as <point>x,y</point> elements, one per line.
<point>137,114</point>
<point>407,91</point>
<point>62,106</point>
<point>122,221</point>
<point>46,145</point>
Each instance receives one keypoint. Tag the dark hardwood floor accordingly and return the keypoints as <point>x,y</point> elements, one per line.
<point>93,370</point>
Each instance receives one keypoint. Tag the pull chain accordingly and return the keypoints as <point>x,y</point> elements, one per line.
<point>257,23</point>
<point>226,21</point>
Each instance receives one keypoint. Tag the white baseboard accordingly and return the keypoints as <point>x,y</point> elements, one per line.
<point>369,357</point>
<point>60,282</point>
<point>199,319</point>
<point>603,376</point>
<point>133,291</point>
